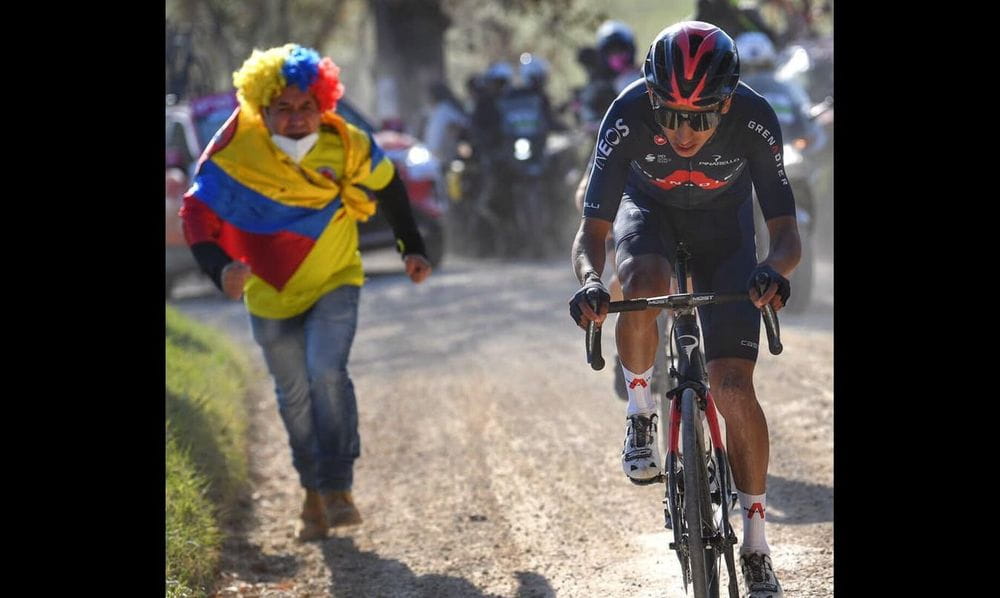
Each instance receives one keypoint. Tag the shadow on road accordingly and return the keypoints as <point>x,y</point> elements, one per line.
<point>800,502</point>
<point>356,572</point>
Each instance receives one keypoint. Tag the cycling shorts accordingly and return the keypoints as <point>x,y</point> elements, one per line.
<point>723,254</point>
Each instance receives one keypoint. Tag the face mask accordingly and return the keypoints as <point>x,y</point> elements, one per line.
<point>619,61</point>
<point>295,148</point>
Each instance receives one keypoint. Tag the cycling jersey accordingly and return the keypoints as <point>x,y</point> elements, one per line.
<point>745,148</point>
<point>657,198</point>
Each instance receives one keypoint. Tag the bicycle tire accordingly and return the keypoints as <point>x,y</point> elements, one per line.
<point>697,502</point>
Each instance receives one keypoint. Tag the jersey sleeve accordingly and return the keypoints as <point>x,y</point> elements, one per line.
<point>371,167</point>
<point>610,163</point>
<point>767,162</point>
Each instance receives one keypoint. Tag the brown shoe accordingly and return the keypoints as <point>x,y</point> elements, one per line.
<point>313,524</point>
<point>340,509</point>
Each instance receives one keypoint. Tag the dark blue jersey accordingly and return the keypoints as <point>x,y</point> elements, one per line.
<point>745,149</point>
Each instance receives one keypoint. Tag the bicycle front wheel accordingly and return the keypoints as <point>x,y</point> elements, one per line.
<point>700,523</point>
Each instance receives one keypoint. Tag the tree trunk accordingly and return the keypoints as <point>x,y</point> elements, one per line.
<point>410,56</point>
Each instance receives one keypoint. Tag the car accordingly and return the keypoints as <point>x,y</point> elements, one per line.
<point>191,125</point>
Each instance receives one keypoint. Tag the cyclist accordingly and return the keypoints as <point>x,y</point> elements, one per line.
<point>676,156</point>
<point>272,217</point>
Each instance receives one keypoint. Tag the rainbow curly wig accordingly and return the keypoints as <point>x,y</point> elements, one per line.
<point>266,74</point>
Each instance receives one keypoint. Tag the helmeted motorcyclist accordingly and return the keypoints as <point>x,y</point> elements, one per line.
<point>616,48</point>
<point>791,103</point>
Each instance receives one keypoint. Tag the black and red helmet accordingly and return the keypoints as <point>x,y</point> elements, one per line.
<point>693,64</point>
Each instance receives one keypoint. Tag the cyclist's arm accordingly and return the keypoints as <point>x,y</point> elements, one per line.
<point>588,261</point>
<point>785,248</point>
<point>609,163</point>
<point>608,172</point>
<point>588,247</point>
<point>774,193</point>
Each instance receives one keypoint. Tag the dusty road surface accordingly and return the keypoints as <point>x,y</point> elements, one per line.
<point>490,451</point>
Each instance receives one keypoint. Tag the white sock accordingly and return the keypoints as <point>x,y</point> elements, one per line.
<point>640,395</point>
<point>753,507</point>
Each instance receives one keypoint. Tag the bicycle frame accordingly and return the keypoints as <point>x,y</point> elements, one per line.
<point>691,374</point>
<point>691,396</point>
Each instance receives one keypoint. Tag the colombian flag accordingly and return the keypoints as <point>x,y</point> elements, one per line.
<point>293,223</point>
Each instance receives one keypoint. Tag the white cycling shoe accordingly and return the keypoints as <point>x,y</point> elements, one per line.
<point>640,455</point>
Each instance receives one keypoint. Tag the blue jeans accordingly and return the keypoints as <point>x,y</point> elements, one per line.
<point>307,357</point>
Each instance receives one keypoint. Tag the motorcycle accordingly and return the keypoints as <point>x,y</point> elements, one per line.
<point>506,196</point>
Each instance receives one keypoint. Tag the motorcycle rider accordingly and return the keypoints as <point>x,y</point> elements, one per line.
<point>487,138</point>
<point>610,66</point>
<point>791,103</point>
<point>616,48</point>
<point>525,121</point>
<point>486,131</point>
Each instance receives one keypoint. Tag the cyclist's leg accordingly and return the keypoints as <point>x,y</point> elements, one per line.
<point>644,250</point>
<point>644,271</point>
<point>731,332</point>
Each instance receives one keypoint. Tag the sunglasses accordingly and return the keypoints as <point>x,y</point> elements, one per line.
<point>671,119</point>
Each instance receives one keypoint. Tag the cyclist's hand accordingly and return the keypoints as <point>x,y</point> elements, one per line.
<point>778,288</point>
<point>417,267</point>
<point>593,294</point>
<point>234,276</point>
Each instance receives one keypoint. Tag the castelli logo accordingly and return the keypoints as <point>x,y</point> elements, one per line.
<point>659,140</point>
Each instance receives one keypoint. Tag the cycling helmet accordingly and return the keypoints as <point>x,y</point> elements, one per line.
<point>756,50</point>
<point>693,64</point>
<point>534,70</point>
<point>499,72</point>
<point>612,34</point>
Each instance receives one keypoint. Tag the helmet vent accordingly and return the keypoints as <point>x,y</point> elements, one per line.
<point>695,44</point>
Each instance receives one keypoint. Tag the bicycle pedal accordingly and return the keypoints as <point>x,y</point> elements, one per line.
<point>657,479</point>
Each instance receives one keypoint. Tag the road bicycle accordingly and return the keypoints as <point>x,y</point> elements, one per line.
<point>701,480</point>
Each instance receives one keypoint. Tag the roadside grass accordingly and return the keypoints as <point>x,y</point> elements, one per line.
<point>206,467</point>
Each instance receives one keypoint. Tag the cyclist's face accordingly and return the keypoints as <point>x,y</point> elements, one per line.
<point>293,113</point>
<point>686,141</point>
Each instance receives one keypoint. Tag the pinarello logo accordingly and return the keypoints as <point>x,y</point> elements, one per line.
<point>659,140</point>
<point>637,382</point>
